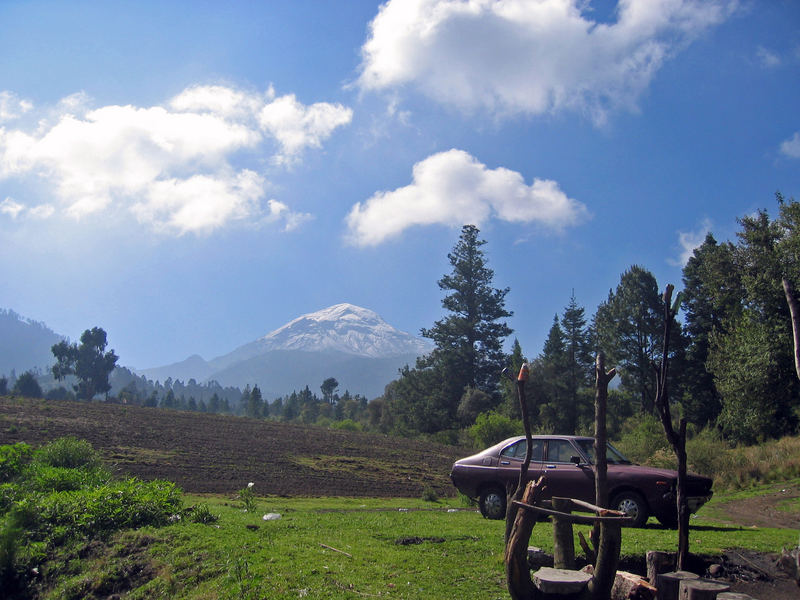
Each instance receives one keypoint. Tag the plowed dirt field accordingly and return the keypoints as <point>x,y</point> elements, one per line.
<point>220,454</point>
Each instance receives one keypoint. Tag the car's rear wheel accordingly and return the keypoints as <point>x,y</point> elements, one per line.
<point>492,503</point>
<point>633,505</point>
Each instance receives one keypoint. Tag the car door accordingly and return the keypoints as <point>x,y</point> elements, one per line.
<point>511,459</point>
<point>564,478</point>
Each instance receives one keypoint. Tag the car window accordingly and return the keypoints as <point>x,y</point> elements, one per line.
<point>517,450</point>
<point>613,456</point>
<point>560,451</point>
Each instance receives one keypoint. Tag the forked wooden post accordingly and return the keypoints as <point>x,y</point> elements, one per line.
<point>563,539</point>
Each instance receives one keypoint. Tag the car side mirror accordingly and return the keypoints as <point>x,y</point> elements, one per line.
<point>575,460</point>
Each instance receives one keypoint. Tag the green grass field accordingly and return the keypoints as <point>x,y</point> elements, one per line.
<point>338,548</point>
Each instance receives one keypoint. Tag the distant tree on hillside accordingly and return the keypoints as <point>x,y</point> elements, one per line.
<point>89,362</point>
<point>26,385</point>
<point>255,403</point>
<point>3,386</point>
<point>328,389</point>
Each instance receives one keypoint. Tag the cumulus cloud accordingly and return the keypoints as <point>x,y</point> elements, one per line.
<point>453,188</point>
<point>170,166</point>
<point>688,241</point>
<point>296,126</point>
<point>529,56</point>
<point>791,147</point>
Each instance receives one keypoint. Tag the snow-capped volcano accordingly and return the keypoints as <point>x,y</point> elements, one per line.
<point>343,328</point>
<point>353,344</point>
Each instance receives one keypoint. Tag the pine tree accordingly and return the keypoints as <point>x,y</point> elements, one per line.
<point>712,297</point>
<point>629,331</point>
<point>469,340</point>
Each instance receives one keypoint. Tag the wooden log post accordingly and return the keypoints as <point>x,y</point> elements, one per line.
<point>701,589</point>
<point>668,584</point>
<point>518,574</point>
<point>607,559</point>
<point>563,539</point>
<point>659,562</point>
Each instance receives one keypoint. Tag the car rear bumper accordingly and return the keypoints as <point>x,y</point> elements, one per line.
<point>695,502</point>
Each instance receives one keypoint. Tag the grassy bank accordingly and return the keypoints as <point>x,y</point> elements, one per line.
<point>335,548</point>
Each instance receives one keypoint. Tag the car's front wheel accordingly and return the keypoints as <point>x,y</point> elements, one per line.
<point>492,503</point>
<point>633,505</point>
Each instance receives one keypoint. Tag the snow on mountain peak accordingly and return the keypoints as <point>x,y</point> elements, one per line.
<point>343,328</point>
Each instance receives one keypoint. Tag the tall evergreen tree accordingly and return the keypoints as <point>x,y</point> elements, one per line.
<point>470,339</point>
<point>555,414</point>
<point>468,347</point>
<point>579,363</point>
<point>712,296</point>
<point>629,330</point>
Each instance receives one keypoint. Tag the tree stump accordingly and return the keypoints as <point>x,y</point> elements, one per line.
<point>659,562</point>
<point>629,586</point>
<point>561,582</point>
<point>701,589</point>
<point>734,596</point>
<point>668,584</point>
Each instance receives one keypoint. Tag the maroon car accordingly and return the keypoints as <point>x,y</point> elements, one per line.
<point>566,463</point>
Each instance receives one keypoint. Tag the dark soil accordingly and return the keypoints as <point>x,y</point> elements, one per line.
<point>218,454</point>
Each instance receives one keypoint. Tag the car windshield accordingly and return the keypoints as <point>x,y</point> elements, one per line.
<point>613,456</point>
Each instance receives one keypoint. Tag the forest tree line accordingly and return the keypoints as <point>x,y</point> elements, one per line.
<point>732,366</point>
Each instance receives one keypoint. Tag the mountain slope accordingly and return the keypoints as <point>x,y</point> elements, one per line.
<point>353,344</point>
<point>24,344</point>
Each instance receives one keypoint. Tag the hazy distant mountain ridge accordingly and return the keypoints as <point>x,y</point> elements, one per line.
<point>24,344</point>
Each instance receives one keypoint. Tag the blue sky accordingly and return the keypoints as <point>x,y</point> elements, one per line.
<point>192,175</point>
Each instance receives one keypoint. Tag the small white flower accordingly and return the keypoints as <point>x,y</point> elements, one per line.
<point>249,485</point>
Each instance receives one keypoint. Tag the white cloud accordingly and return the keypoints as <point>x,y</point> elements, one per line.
<point>11,208</point>
<point>278,211</point>
<point>529,56</point>
<point>453,188</point>
<point>791,147</point>
<point>296,126</point>
<point>768,59</point>
<point>11,107</point>
<point>688,241</point>
<point>169,165</point>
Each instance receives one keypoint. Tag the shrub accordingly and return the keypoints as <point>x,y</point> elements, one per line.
<point>641,437</point>
<point>44,478</point>
<point>13,459</point>
<point>98,511</point>
<point>429,494</point>
<point>202,514</point>
<point>11,540</point>
<point>492,427</point>
<point>68,452</point>
<point>348,425</point>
